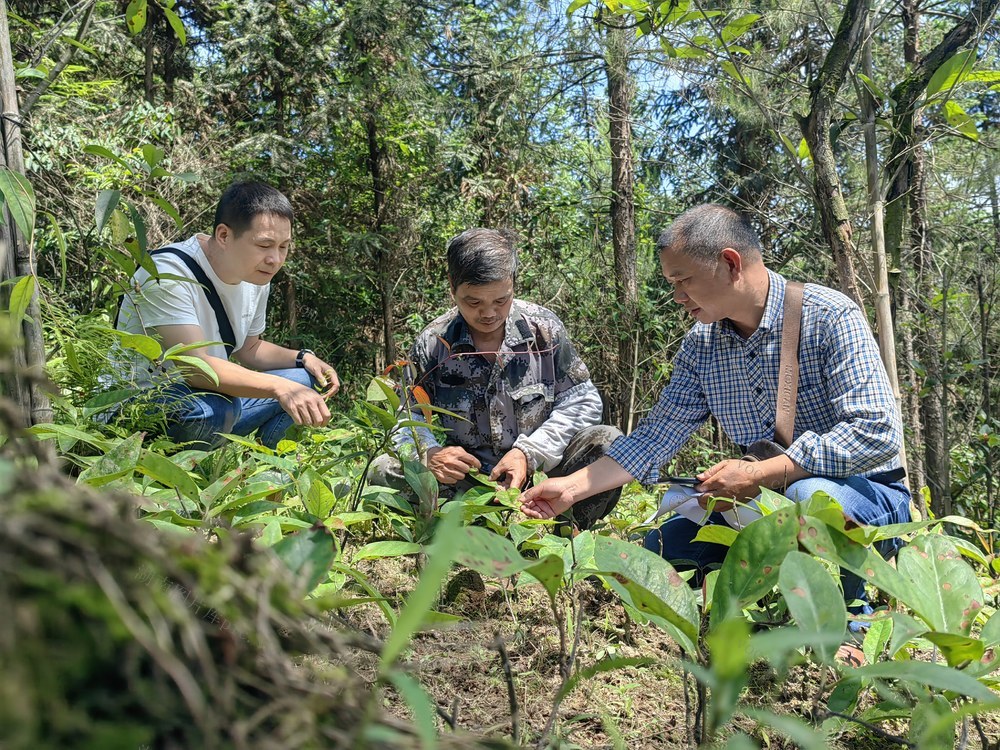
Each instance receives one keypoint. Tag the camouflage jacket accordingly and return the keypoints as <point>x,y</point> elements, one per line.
<point>536,396</point>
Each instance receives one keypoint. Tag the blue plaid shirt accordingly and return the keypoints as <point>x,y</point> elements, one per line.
<point>846,421</point>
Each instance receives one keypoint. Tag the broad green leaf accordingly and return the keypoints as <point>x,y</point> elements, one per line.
<point>813,598</point>
<point>152,154</point>
<point>166,472</point>
<point>945,590</point>
<point>320,499</point>
<point>990,634</point>
<point>394,548</point>
<point>647,582</point>
<point>780,646</point>
<point>147,346</point>
<point>20,199</point>
<point>115,464</point>
<point>388,391</point>
<point>925,674</point>
<point>177,25</point>
<point>20,298</point>
<point>803,151</point>
<point>739,27</point>
<point>716,534</point>
<point>959,119</point>
<point>67,436</point>
<point>488,553</point>
<point>343,521</point>
<point>197,363</point>
<point>904,630</point>
<point>575,6</point>
<point>877,638</point>
<point>107,202</point>
<point>751,566</point>
<point>168,209</point>
<point>957,649</point>
<point>97,150</point>
<point>549,572</point>
<point>103,401</point>
<point>422,598</point>
<point>873,88</point>
<point>729,660</point>
<point>951,72</point>
<point>387,420</point>
<point>135,16</point>
<point>309,554</point>
<point>140,230</point>
<point>422,482</point>
<point>271,534</point>
<point>421,707</point>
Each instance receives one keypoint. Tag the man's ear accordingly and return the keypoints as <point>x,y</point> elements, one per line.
<point>223,233</point>
<point>733,261</point>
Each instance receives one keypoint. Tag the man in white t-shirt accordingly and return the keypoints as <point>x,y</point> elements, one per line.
<point>268,387</point>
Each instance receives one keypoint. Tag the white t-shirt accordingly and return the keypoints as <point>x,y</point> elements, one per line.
<point>174,302</point>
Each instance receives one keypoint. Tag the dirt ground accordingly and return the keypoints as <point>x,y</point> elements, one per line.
<point>651,706</point>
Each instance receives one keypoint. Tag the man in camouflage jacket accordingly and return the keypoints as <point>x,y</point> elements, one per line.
<point>507,368</point>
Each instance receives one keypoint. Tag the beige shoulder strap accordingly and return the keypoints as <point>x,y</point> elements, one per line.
<point>788,367</point>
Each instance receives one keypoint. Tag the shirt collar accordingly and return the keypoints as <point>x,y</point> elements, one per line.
<point>516,330</point>
<point>773,308</point>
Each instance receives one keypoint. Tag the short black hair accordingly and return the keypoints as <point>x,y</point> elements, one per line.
<point>243,201</point>
<point>481,256</point>
<point>704,231</point>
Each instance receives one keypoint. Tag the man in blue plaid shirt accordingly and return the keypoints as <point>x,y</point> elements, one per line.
<point>848,431</point>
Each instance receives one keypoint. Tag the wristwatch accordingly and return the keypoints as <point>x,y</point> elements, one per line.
<point>301,357</point>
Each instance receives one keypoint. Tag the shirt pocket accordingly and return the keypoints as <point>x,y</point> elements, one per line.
<point>532,405</point>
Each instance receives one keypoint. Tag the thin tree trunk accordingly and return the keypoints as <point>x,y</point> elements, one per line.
<point>16,251</point>
<point>376,167</point>
<point>986,397</point>
<point>883,309</point>
<point>621,90</point>
<point>815,126</point>
<point>149,55</point>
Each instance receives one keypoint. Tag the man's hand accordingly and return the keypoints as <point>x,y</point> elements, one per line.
<point>742,480</point>
<point>512,469</point>
<point>324,374</point>
<point>548,499</point>
<point>304,405</point>
<point>451,463</point>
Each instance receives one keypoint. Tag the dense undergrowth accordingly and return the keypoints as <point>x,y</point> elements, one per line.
<point>367,570</point>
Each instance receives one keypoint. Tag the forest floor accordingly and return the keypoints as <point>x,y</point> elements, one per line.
<point>632,707</point>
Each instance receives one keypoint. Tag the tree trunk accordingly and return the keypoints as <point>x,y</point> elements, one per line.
<point>815,126</point>
<point>149,55</point>
<point>376,167</point>
<point>16,258</point>
<point>621,91</point>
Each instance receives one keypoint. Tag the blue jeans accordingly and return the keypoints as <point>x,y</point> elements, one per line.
<point>868,503</point>
<point>199,416</point>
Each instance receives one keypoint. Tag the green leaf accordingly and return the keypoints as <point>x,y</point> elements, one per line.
<point>97,150</point>
<point>716,534</point>
<point>751,566</point>
<point>20,199</point>
<point>161,469</point>
<point>421,707</point>
<point>575,6</point>
<point>877,638</point>
<point>423,597</point>
<point>67,436</point>
<point>107,201</point>
<point>20,298</point>
<point>925,674</point>
<point>147,346</point>
<point>152,154</point>
<point>731,70</point>
<point>488,553</point>
<point>952,72</point>
<point>377,550</point>
<point>739,27</point>
<point>177,25</point>
<point>135,16</point>
<point>945,590</point>
<point>168,209</point>
<point>648,583</point>
<point>197,363</point>
<point>549,571</point>
<point>423,483</point>
<point>102,401</point>
<point>140,229</point>
<point>117,463</point>
<point>343,521</point>
<point>813,598</point>
<point>320,499</point>
<point>959,119</point>
<point>308,554</point>
<point>957,649</point>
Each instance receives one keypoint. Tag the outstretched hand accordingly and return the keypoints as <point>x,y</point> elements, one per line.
<point>512,469</point>
<point>548,499</point>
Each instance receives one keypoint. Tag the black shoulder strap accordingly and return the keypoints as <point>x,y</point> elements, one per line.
<point>225,327</point>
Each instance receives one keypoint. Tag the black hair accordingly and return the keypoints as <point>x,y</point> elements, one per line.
<point>243,201</point>
<point>481,256</point>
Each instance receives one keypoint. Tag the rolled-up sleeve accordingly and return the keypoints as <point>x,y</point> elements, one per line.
<point>573,410</point>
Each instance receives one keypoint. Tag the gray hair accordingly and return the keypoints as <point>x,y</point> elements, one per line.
<point>481,256</point>
<point>704,231</point>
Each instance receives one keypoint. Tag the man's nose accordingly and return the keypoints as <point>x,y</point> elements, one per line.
<point>680,297</point>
